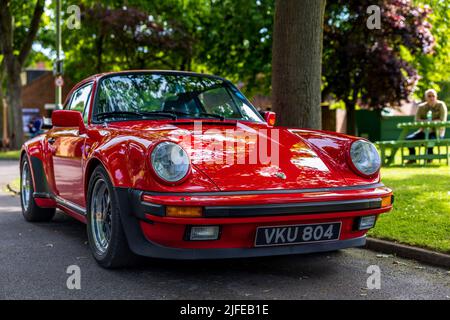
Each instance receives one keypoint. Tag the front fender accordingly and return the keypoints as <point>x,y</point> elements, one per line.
<point>113,157</point>
<point>126,159</point>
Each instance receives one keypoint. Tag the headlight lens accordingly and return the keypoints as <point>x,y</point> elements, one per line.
<point>365,157</point>
<point>170,162</point>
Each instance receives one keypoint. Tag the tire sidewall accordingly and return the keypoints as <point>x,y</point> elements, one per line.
<point>98,173</point>
<point>26,213</point>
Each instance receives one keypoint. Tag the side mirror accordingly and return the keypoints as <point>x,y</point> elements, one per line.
<point>69,119</point>
<point>270,117</point>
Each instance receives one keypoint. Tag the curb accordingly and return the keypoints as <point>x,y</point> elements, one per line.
<point>404,251</point>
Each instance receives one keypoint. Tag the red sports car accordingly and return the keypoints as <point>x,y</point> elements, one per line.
<point>181,165</point>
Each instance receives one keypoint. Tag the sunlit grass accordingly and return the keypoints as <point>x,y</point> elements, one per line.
<point>421,214</point>
<point>10,155</point>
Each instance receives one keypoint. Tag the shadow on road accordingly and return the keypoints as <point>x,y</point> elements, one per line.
<point>72,231</point>
<point>35,257</point>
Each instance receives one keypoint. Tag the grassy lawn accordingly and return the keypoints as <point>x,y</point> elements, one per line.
<point>421,214</point>
<point>10,155</point>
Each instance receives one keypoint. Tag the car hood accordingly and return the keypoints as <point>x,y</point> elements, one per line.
<point>225,152</point>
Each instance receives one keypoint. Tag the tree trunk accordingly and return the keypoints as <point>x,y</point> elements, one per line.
<point>2,108</point>
<point>350,105</point>
<point>15,106</point>
<point>297,62</point>
<point>2,127</point>
<point>351,116</point>
<point>15,55</point>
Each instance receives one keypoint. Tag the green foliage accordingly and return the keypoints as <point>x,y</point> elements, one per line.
<point>372,66</point>
<point>228,38</point>
<point>10,155</point>
<point>234,39</point>
<point>434,69</point>
<point>115,37</point>
<point>237,42</point>
<point>22,13</point>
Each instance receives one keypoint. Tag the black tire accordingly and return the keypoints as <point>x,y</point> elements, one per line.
<point>30,210</point>
<point>117,253</point>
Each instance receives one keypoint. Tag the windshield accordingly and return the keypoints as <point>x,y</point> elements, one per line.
<point>131,96</point>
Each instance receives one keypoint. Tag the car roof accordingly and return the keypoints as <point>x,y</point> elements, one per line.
<point>167,72</point>
<point>99,76</point>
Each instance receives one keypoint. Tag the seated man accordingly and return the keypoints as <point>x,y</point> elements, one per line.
<point>438,111</point>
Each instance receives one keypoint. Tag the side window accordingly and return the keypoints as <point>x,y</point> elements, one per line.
<point>80,100</point>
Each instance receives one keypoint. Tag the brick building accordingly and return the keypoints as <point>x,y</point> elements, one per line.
<point>38,91</point>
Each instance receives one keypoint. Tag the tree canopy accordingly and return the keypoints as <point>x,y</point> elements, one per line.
<point>230,38</point>
<point>367,66</point>
<point>361,66</point>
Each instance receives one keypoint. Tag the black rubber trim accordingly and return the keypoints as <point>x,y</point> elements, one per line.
<point>256,192</point>
<point>141,208</point>
<point>136,206</point>
<point>291,208</point>
<point>40,179</point>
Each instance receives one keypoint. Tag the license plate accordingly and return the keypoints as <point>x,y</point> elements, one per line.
<point>296,234</point>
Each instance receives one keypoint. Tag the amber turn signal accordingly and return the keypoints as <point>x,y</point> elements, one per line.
<point>386,201</point>
<point>184,212</point>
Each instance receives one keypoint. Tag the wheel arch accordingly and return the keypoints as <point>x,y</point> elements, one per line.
<point>96,161</point>
<point>38,174</point>
<point>90,167</point>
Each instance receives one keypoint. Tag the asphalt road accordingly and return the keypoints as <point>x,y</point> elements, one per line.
<point>34,259</point>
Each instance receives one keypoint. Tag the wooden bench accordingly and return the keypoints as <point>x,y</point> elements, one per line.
<point>423,145</point>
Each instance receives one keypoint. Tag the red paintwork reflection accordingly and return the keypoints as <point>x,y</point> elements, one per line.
<point>67,154</point>
<point>307,159</point>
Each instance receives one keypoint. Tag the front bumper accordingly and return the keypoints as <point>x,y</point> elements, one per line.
<point>150,233</point>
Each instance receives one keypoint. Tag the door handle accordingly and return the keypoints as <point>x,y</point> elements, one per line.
<point>51,140</point>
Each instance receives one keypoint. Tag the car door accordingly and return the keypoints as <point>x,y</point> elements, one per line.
<point>67,151</point>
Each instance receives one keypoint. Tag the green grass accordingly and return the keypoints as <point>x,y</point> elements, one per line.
<point>421,214</point>
<point>10,155</point>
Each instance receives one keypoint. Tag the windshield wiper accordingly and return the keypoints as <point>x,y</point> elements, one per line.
<point>113,114</point>
<point>213,115</point>
<point>159,113</point>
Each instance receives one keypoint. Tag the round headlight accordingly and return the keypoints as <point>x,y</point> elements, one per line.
<point>170,162</point>
<point>365,157</point>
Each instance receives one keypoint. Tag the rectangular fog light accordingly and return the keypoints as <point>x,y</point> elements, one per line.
<point>367,222</point>
<point>204,233</point>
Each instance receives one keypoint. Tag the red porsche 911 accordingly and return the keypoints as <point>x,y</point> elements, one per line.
<point>180,165</point>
